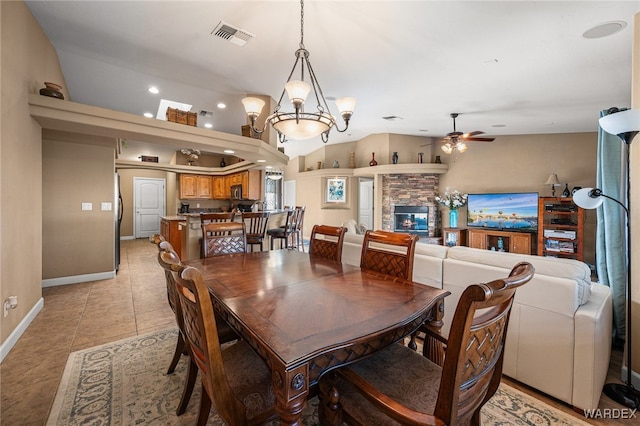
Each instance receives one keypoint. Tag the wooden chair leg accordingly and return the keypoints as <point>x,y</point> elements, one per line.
<point>412,343</point>
<point>190,382</point>
<point>205,408</point>
<point>180,349</point>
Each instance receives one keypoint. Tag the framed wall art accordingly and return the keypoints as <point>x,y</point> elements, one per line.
<point>334,193</point>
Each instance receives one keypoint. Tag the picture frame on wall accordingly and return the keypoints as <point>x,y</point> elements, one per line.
<point>335,192</point>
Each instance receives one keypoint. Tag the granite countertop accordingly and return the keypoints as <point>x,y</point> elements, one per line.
<point>176,217</point>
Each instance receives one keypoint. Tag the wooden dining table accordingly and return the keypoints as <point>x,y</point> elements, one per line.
<point>305,316</point>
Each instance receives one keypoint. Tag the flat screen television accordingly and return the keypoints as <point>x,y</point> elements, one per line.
<point>516,211</point>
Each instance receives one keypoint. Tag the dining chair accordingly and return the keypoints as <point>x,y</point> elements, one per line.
<point>217,217</point>
<point>283,232</point>
<point>400,385</point>
<point>297,240</point>
<point>220,238</point>
<point>235,379</point>
<point>256,223</point>
<point>389,253</point>
<point>329,245</point>
<point>170,262</point>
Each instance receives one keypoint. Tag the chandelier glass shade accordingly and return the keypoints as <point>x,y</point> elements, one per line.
<point>449,147</point>
<point>301,124</point>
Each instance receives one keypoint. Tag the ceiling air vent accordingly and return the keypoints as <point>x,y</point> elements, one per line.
<point>230,33</point>
<point>392,118</point>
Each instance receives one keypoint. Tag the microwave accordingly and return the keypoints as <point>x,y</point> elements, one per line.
<point>236,192</point>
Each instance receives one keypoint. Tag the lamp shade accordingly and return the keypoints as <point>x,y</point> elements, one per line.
<point>253,106</point>
<point>553,180</point>
<point>346,104</point>
<point>297,91</point>
<point>621,122</point>
<point>587,198</point>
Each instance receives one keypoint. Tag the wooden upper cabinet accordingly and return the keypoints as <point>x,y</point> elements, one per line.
<point>252,185</point>
<point>196,187</point>
<point>204,188</point>
<point>188,187</point>
<point>219,188</point>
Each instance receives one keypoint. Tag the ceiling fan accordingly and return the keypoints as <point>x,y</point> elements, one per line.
<point>456,140</point>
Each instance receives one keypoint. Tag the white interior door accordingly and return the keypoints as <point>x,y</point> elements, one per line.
<point>365,203</point>
<point>289,198</point>
<point>149,201</point>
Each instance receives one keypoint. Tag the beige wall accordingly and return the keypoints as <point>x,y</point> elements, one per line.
<point>510,163</point>
<point>77,242</point>
<point>28,60</point>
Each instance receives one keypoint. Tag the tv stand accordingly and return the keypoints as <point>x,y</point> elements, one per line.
<point>499,240</point>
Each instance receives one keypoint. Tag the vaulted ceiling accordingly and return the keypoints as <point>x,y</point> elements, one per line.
<point>508,67</point>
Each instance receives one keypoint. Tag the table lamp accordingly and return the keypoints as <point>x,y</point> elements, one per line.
<point>553,182</point>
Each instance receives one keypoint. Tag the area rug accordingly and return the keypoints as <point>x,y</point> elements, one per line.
<point>124,383</point>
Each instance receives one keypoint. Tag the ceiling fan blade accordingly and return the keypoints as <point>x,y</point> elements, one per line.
<point>480,139</point>
<point>467,135</point>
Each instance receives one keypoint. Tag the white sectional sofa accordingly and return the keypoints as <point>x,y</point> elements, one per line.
<point>559,337</point>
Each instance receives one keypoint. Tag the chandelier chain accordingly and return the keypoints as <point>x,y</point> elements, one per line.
<point>302,24</point>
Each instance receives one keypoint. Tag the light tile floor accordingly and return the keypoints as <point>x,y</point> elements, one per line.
<point>79,316</point>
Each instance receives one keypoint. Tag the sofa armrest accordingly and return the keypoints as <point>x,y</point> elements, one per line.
<point>592,353</point>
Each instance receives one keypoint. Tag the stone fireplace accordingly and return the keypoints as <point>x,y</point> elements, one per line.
<point>409,190</point>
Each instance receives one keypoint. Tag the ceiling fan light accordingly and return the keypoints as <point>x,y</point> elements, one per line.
<point>447,148</point>
<point>461,147</point>
<point>253,106</point>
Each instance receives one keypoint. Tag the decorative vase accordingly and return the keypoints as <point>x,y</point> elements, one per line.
<point>394,158</point>
<point>373,161</point>
<point>566,192</point>
<point>352,160</point>
<point>223,163</point>
<point>336,164</point>
<point>421,157</point>
<point>319,165</point>
<point>453,218</point>
<point>438,160</point>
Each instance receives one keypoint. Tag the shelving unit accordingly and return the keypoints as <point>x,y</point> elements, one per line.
<point>560,228</point>
<point>454,237</point>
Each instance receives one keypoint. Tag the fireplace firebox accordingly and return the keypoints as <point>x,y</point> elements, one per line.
<point>411,219</point>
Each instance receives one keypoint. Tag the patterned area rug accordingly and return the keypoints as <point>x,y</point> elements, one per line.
<point>124,383</point>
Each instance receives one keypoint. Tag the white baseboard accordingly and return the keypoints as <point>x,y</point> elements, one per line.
<point>635,377</point>
<point>127,237</point>
<point>10,341</point>
<point>52,282</point>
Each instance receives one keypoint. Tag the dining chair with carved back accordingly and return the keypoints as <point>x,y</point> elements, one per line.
<point>326,242</point>
<point>399,385</point>
<point>283,232</point>
<point>220,238</point>
<point>170,262</point>
<point>256,223</point>
<point>235,378</point>
<point>215,217</point>
<point>425,392</point>
<point>389,253</point>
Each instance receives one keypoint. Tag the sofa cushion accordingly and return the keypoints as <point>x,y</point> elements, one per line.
<point>555,267</point>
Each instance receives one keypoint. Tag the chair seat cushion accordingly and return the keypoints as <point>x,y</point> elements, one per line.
<point>249,378</point>
<point>398,372</point>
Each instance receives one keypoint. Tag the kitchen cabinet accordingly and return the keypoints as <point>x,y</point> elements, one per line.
<point>170,229</point>
<point>195,187</point>
<point>512,242</point>
<point>219,188</point>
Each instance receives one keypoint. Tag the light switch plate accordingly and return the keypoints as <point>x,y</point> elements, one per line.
<point>106,207</point>
<point>87,206</point>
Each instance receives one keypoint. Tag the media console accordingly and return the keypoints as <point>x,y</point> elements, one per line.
<point>498,240</point>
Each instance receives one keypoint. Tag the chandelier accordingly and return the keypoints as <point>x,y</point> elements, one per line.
<point>301,124</point>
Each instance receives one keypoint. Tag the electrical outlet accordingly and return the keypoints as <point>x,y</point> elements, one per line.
<point>87,206</point>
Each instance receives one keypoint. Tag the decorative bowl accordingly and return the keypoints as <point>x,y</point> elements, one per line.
<point>53,86</point>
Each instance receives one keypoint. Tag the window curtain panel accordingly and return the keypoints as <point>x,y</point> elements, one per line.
<point>611,249</point>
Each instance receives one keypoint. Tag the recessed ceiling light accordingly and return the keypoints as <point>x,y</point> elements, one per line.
<point>208,125</point>
<point>229,151</point>
<point>261,161</point>
<point>269,167</point>
<point>148,115</point>
<point>222,105</point>
<point>604,30</point>
<point>154,90</point>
